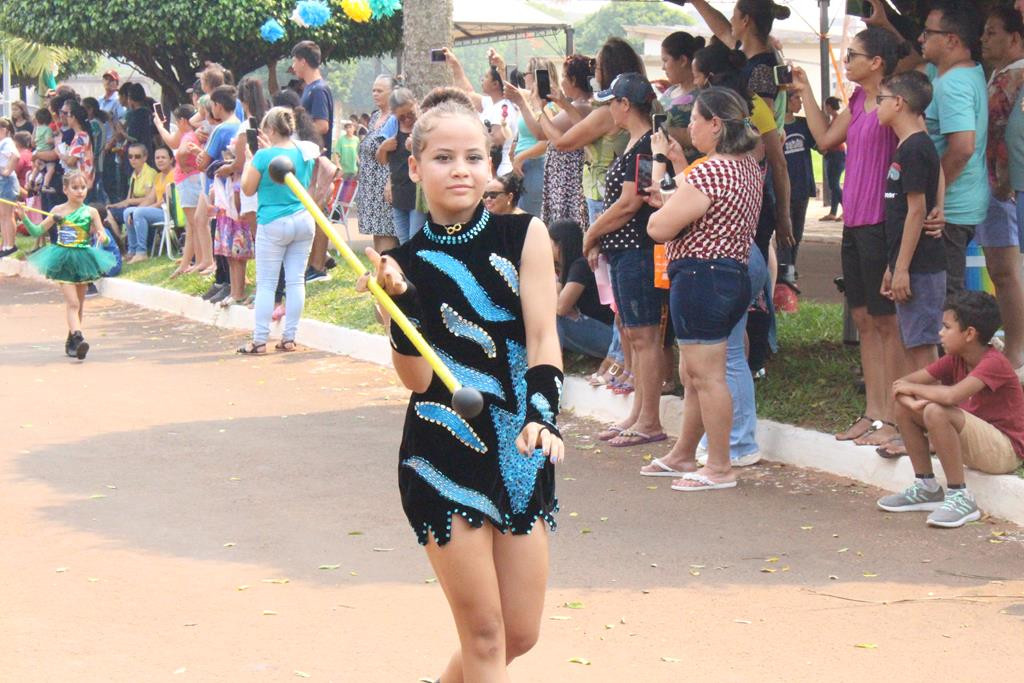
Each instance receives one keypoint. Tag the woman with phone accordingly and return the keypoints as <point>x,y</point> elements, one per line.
<point>873,54</point>
<point>375,216</point>
<point>285,233</point>
<point>529,154</point>
<point>677,51</point>
<point>620,235</point>
<point>563,170</point>
<point>708,226</point>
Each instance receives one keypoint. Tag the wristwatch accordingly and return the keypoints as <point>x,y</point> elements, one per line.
<point>661,158</point>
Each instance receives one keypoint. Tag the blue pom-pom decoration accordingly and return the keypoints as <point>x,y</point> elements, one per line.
<point>385,8</point>
<point>313,13</point>
<point>271,31</point>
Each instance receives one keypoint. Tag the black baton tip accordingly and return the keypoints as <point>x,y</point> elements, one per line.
<point>468,402</point>
<point>280,167</point>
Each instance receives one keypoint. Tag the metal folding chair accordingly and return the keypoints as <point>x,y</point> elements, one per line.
<point>343,196</point>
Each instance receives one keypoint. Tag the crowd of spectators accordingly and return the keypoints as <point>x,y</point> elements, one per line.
<point>676,206</point>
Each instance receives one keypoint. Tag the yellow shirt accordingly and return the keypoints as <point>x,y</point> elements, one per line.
<point>160,183</point>
<point>141,182</point>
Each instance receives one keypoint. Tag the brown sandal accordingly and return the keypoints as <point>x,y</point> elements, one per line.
<point>285,345</point>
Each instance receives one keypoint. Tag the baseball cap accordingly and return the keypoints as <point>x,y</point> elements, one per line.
<point>631,86</point>
<point>112,75</point>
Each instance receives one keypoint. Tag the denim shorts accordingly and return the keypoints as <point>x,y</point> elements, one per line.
<point>999,229</point>
<point>708,298</point>
<point>189,190</point>
<point>638,301</point>
<point>921,317</point>
<point>9,188</point>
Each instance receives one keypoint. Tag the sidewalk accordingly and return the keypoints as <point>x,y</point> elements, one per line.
<point>1001,496</point>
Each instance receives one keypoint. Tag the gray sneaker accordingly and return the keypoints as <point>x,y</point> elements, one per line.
<point>958,509</point>
<point>914,498</point>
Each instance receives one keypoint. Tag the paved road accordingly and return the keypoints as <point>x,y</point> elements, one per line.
<point>154,499</point>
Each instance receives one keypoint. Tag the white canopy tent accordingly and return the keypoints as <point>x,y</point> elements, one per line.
<point>477,22</point>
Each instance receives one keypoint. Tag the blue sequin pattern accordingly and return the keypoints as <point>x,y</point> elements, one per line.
<point>455,470</point>
<point>461,327</point>
<point>470,377</point>
<point>445,417</point>
<point>543,407</point>
<point>452,491</point>
<point>519,472</point>
<point>507,271</point>
<point>467,283</point>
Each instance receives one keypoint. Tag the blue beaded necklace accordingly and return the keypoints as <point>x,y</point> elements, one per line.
<point>455,234</point>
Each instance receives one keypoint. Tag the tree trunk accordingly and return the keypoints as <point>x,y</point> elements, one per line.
<point>426,26</point>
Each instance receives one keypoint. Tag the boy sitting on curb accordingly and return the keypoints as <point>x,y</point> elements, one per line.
<point>969,403</point>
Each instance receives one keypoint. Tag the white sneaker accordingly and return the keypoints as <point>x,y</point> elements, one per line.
<point>744,461</point>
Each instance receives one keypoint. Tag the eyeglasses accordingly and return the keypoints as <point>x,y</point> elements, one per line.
<point>136,156</point>
<point>927,33</point>
<point>881,98</point>
<point>850,54</point>
<point>64,112</point>
<point>493,194</point>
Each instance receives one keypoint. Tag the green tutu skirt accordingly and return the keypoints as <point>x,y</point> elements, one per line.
<point>73,265</point>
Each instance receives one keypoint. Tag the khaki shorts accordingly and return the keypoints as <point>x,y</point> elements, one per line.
<point>985,448</point>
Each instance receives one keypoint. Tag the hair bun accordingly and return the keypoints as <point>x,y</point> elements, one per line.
<point>902,50</point>
<point>699,43</point>
<point>780,11</point>
<point>443,95</point>
<point>737,59</point>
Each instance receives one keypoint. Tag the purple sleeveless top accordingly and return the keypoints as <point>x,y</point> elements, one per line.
<point>869,150</point>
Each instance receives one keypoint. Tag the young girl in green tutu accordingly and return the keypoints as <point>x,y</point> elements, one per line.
<point>72,260</point>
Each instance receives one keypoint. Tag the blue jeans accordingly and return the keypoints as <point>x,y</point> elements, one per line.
<point>743,437</point>
<point>286,240</point>
<point>588,336</point>
<point>595,207</point>
<point>137,220</point>
<point>533,186</point>
<point>407,223</point>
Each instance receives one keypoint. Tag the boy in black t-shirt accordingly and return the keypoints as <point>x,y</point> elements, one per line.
<point>916,276</point>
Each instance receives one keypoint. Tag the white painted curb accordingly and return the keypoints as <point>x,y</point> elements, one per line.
<point>1001,496</point>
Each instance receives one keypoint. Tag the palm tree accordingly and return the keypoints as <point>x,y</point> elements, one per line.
<point>32,61</point>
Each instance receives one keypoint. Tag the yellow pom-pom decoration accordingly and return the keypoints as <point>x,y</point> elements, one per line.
<point>357,10</point>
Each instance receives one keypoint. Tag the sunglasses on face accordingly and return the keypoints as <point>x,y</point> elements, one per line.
<point>850,54</point>
<point>929,32</point>
<point>493,194</point>
<point>136,156</point>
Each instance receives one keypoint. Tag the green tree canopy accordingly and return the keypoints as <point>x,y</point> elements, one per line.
<point>610,20</point>
<point>170,40</point>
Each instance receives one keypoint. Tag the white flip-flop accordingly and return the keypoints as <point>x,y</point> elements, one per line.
<point>705,483</point>
<point>666,471</point>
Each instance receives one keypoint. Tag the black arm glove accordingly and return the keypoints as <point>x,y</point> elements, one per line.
<point>543,396</point>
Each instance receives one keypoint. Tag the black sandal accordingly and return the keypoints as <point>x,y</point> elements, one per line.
<point>285,345</point>
<point>252,349</point>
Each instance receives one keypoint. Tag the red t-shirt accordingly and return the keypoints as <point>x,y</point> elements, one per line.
<point>1000,402</point>
<point>23,167</point>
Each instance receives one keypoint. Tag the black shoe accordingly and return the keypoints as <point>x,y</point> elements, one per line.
<point>222,293</point>
<point>4,253</point>
<point>79,345</point>
<point>330,263</point>
<point>91,290</point>
<point>69,346</point>
<point>214,288</point>
<point>314,275</point>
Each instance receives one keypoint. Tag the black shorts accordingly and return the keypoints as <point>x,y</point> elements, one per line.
<point>865,257</point>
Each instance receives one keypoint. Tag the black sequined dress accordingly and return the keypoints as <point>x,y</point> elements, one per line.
<point>468,289</point>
